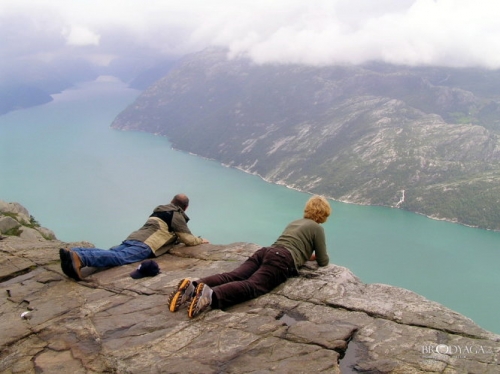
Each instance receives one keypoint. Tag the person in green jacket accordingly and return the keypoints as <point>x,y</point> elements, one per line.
<point>166,225</point>
<point>301,241</point>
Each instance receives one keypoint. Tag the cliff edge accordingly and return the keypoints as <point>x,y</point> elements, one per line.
<point>325,320</point>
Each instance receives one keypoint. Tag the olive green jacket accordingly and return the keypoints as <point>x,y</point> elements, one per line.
<point>302,238</point>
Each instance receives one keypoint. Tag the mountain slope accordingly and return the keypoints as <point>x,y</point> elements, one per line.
<point>377,134</point>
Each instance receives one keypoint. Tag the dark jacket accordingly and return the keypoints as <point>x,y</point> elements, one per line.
<point>166,225</point>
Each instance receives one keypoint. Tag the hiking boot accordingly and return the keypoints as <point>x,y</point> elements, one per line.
<point>77,264</point>
<point>181,295</point>
<point>201,300</point>
<point>67,264</point>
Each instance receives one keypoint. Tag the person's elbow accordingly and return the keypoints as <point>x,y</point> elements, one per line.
<point>323,261</point>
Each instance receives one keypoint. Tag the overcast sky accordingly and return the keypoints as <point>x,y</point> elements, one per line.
<point>320,32</point>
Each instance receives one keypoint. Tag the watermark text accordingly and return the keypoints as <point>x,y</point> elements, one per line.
<point>457,351</point>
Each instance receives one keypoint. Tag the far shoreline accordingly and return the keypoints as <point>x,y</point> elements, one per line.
<point>312,193</point>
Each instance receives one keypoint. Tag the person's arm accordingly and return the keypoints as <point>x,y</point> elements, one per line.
<point>189,239</point>
<point>320,253</point>
<point>181,229</point>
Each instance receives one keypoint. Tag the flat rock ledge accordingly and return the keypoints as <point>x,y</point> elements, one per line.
<point>325,320</point>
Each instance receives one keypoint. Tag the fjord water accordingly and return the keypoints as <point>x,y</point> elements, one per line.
<point>86,181</point>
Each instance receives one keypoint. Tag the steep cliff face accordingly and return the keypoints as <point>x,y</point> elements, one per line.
<point>371,135</point>
<point>325,320</point>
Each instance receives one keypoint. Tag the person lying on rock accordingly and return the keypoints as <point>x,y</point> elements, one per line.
<point>166,225</point>
<point>268,267</point>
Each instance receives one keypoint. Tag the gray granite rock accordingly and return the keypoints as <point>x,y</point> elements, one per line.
<point>15,216</point>
<point>325,320</point>
<point>16,209</point>
<point>8,223</point>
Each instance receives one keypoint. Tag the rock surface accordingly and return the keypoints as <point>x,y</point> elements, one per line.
<point>325,320</point>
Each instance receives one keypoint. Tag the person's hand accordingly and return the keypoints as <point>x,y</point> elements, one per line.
<point>204,241</point>
<point>313,257</point>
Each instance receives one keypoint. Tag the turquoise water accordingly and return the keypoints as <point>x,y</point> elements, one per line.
<point>86,181</point>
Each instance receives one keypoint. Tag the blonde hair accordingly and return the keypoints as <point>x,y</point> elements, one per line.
<point>318,209</point>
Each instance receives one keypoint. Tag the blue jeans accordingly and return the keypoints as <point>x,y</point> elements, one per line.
<point>127,252</point>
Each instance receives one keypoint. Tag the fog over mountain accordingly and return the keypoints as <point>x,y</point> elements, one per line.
<point>320,32</point>
<point>50,45</point>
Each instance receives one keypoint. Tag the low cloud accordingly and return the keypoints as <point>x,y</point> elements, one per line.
<point>456,33</point>
<point>80,36</point>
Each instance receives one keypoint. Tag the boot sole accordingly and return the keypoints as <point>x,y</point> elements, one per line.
<point>67,264</point>
<point>192,307</point>
<point>174,301</point>
<point>76,269</point>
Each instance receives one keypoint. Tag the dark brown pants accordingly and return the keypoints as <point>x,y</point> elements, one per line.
<point>267,268</point>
